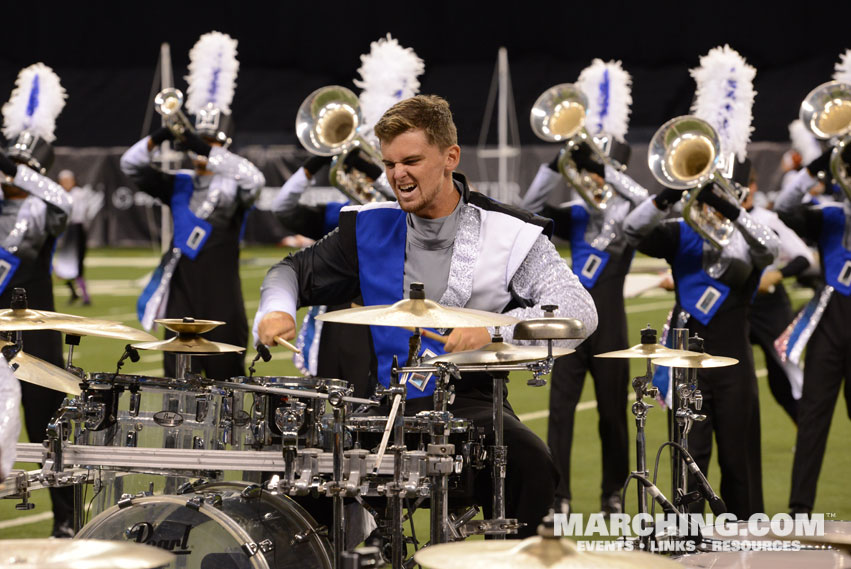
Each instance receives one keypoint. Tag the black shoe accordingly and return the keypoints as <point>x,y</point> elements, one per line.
<point>611,504</point>
<point>796,511</point>
<point>63,530</point>
<point>561,506</point>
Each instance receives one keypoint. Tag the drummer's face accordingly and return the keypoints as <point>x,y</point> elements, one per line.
<point>420,174</point>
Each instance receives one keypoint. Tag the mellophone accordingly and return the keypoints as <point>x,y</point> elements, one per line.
<point>190,430</point>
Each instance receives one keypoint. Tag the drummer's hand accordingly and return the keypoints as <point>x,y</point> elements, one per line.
<point>276,324</point>
<point>768,280</point>
<point>461,339</point>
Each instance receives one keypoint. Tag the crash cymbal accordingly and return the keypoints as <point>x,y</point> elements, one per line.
<point>190,344</point>
<point>646,351</point>
<point>699,361</point>
<point>498,353</point>
<point>25,319</point>
<point>417,313</point>
<point>39,372</point>
<point>532,553</point>
<point>81,554</point>
<point>550,328</point>
<point>188,325</point>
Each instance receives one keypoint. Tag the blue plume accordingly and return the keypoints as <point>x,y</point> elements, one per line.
<point>604,100</point>
<point>32,104</point>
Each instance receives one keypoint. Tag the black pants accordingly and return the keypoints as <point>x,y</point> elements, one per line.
<point>731,406</point>
<point>827,362</point>
<point>611,378</point>
<point>769,316</point>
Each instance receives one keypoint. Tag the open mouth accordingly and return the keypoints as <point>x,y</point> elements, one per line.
<point>407,188</point>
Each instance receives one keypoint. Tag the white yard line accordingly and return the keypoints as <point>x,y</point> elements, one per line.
<point>26,520</point>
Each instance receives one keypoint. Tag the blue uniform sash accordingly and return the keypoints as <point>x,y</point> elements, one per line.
<point>587,261</point>
<point>837,259</point>
<point>190,231</point>
<point>698,293</point>
<point>381,235</point>
<point>9,263</point>
<point>332,216</point>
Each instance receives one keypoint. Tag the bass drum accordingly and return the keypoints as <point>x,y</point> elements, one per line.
<point>223,525</point>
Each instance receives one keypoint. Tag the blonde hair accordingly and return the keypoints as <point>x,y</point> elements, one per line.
<point>429,113</point>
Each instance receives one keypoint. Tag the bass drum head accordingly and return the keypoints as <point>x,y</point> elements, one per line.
<point>226,525</point>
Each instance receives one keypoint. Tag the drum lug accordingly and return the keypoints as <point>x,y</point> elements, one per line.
<point>266,546</point>
<point>250,548</point>
<point>195,503</point>
<point>251,492</point>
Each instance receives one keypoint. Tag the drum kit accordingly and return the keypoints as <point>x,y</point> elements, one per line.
<point>295,437</point>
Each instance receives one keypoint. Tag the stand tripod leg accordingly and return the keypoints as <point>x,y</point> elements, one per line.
<point>499,450</point>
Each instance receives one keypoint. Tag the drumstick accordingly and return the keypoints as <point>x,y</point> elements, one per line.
<point>281,342</point>
<point>391,419</point>
<point>429,334</point>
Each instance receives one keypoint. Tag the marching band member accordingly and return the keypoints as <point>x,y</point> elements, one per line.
<point>822,326</point>
<point>34,212</point>
<point>601,259</point>
<point>771,309</point>
<point>714,285</point>
<point>467,249</point>
<point>199,275</point>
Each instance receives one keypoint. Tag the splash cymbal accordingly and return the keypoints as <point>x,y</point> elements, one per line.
<point>498,353</point>
<point>188,325</point>
<point>417,313</point>
<point>39,372</point>
<point>190,344</point>
<point>646,351</point>
<point>698,361</point>
<point>79,553</point>
<point>550,328</point>
<point>25,319</point>
<point>532,553</point>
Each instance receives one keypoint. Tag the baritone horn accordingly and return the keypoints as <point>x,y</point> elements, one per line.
<point>826,111</point>
<point>685,154</point>
<point>169,104</point>
<point>558,115</point>
<point>327,124</point>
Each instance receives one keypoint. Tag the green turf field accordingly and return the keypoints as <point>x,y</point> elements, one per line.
<point>114,282</point>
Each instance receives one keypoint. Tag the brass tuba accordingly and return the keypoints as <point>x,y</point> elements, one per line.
<point>169,104</point>
<point>685,154</point>
<point>559,115</point>
<point>826,111</point>
<point>327,124</point>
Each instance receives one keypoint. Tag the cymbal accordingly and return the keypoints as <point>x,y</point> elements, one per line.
<point>417,313</point>
<point>549,328</point>
<point>498,353</point>
<point>39,372</point>
<point>81,553</point>
<point>532,553</point>
<point>190,344</point>
<point>24,320</point>
<point>646,351</point>
<point>700,361</point>
<point>188,325</point>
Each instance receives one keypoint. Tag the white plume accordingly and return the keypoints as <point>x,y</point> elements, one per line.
<point>212,72</point>
<point>724,97</point>
<point>803,141</point>
<point>388,74</point>
<point>607,86</point>
<point>36,101</point>
<point>843,68</point>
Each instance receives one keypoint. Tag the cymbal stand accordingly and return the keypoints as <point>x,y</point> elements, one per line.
<point>643,387</point>
<point>337,486</point>
<point>440,453</point>
<point>395,489</point>
<point>685,393</point>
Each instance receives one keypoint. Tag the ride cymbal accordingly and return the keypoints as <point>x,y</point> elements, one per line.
<point>81,554</point>
<point>25,320</point>
<point>498,353</point>
<point>418,313</point>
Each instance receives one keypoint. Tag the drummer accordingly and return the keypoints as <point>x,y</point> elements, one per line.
<point>468,250</point>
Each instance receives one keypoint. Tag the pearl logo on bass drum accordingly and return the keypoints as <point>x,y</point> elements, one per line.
<point>165,536</point>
